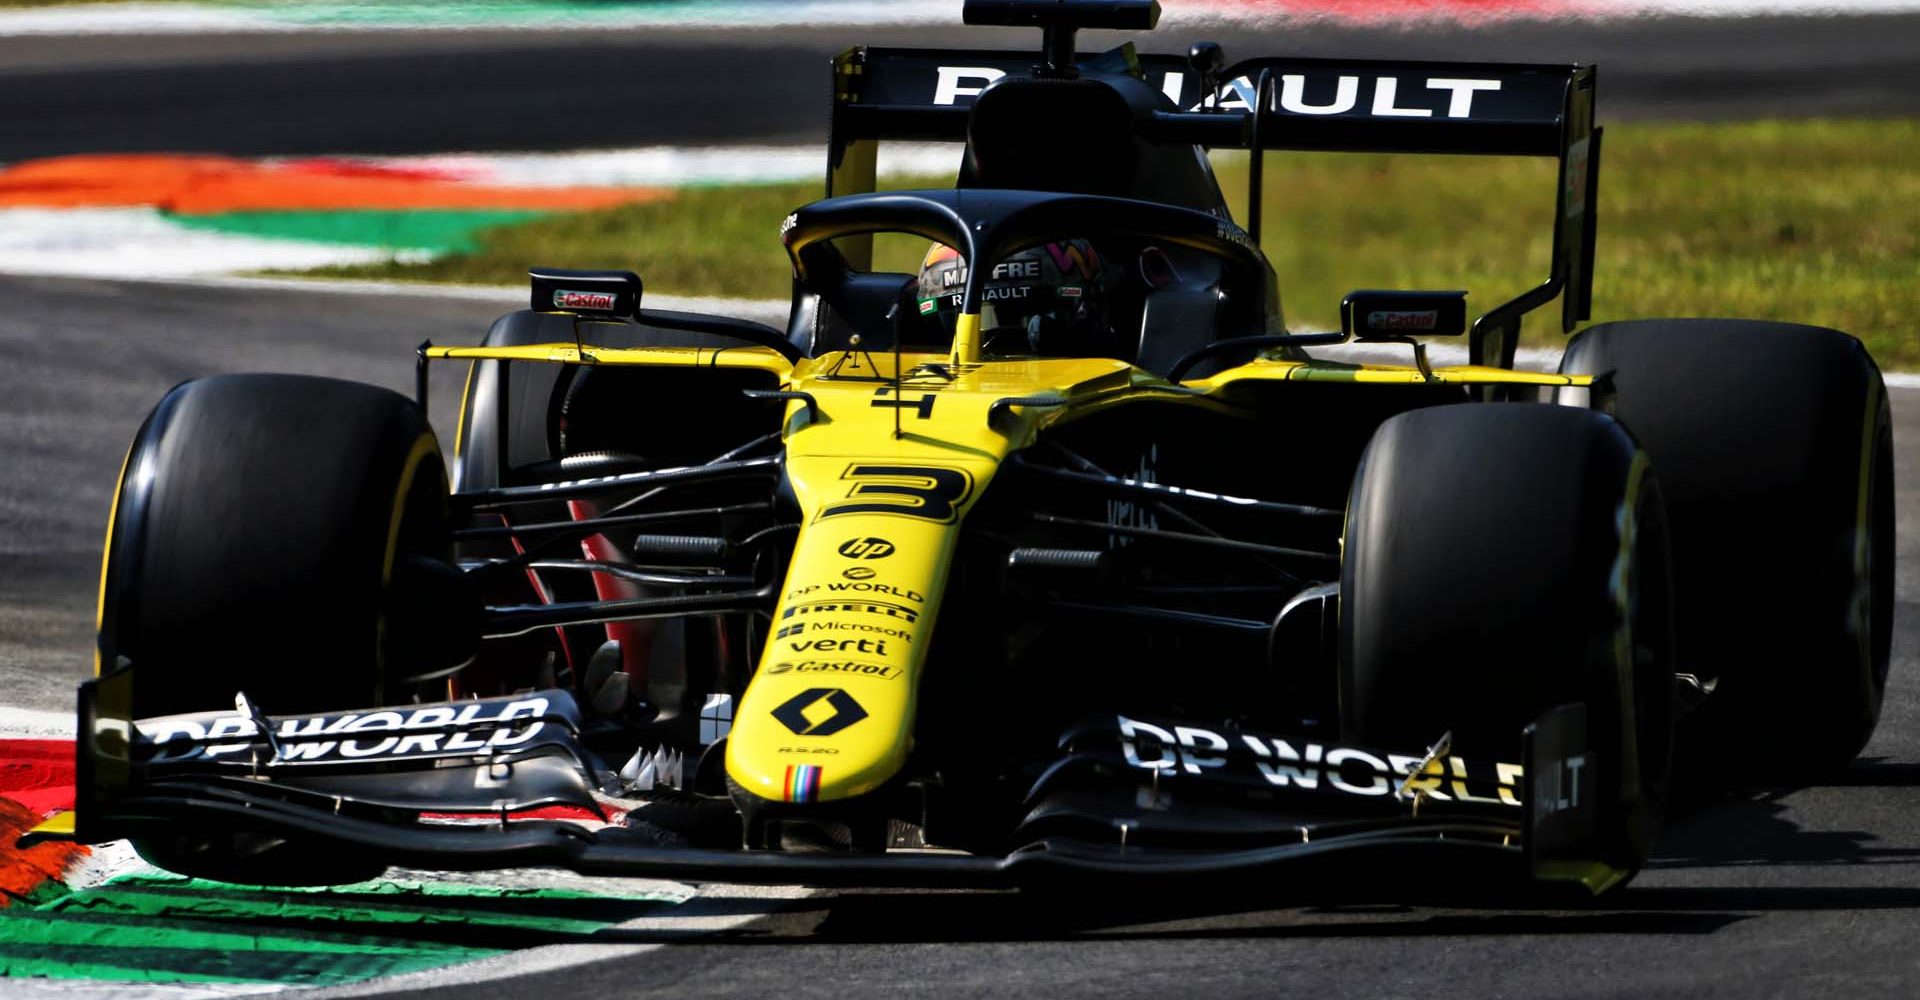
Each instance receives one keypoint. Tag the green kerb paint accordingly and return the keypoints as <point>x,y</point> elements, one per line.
<point>158,928</point>
<point>436,231</point>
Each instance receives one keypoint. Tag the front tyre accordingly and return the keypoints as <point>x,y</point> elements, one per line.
<point>286,537</point>
<point>1501,560</point>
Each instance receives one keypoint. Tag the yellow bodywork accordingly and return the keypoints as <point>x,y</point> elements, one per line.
<point>574,354</point>
<point>59,826</point>
<point>884,469</point>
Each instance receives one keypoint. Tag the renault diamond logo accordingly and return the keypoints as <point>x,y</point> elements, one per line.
<point>819,712</point>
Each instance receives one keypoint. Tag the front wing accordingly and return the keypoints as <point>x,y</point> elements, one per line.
<point>470,786</point>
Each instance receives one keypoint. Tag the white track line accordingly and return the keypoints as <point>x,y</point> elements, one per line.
<point>102,989</point>
<point>141,242</point>
<point>105,862</point>
<point>32,724</point>
<point>665,166</point>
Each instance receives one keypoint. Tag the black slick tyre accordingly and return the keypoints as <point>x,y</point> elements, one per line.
<point>1501,560</point>
<point>1774,444</point>
<point>286,537</point>
<point>507,409</point>
<point>512,413</point>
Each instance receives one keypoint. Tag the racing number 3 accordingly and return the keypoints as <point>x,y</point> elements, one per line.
<point>925,492</point>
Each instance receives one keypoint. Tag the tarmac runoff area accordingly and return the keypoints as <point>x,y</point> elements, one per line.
<point>394,92</point>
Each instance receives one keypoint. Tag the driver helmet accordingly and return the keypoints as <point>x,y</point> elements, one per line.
<point>1048,300</point>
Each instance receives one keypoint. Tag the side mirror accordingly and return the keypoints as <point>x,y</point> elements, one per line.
<point>597,294</point>
<point>1394,315</point>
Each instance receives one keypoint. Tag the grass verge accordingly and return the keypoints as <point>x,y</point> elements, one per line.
<point>1809,221</point>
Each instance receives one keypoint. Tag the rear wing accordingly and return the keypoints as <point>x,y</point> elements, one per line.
<point>1316,105</point>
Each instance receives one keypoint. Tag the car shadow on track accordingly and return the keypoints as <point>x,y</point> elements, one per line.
<point>981,917</point>
<point>1759,827</point>
<point>1335,898</point>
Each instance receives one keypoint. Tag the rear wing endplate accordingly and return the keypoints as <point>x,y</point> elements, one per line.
<point>1314,105</point>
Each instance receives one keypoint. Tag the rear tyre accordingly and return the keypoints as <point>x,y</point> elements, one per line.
<point>286,537</point>
<point>1501,560</point>
<point>507,412</point>
<point>1774,444</point>
<point>512,413</point>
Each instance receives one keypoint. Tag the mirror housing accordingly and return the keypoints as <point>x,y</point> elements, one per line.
<point>596,294</point>
<point>1374,314</point>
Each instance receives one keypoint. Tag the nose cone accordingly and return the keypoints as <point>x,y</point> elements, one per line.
<point>829,714</point>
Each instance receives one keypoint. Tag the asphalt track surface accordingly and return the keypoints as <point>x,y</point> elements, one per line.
<point>427,92</point>
<point>1792,892</point>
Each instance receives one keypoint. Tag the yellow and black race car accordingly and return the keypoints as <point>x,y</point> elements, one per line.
<point>1060,556</point>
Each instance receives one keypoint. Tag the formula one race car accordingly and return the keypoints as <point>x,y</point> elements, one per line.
<point>1061,555</point>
